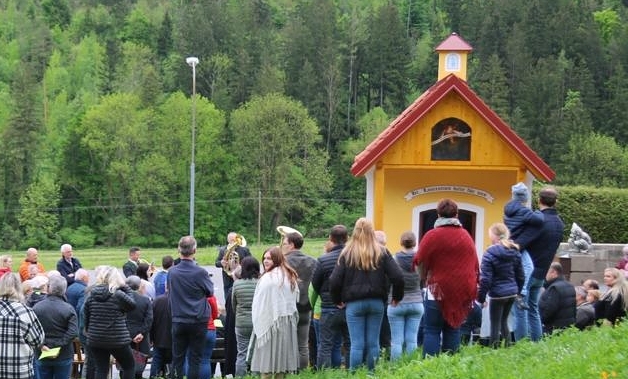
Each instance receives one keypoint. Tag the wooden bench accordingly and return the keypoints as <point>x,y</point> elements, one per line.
<point>79,360</point>
<point>219,354</point>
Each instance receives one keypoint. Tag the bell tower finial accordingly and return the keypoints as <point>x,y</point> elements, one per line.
<point>452,57</point>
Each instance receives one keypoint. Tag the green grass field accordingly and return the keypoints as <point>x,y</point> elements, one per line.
<point>90,258</point>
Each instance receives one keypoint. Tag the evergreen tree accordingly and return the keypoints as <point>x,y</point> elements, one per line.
<point>616,122</point>
<point>20,142</point>
<point>386,55</point>
<point>164,37</point>
<point>490,81</point>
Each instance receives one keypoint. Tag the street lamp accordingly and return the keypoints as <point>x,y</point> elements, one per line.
<point>192,61</point>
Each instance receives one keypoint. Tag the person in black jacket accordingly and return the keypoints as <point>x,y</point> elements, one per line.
<point>333,324</point>
<point>360,282</point>
<point>139,321</point>
<point>68,264</point>
<point>613,305</point>
<point>161,337</point>
<point>59,321</point>
<point>557,305</point>
<point>104,314</point>
<point>304,265</point>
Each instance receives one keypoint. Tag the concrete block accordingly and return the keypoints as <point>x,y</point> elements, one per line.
<point>600,266</point>
<point>577,277</point>
<point>581,262</point>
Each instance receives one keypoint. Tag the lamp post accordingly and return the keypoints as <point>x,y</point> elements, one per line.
<point>192,61</point>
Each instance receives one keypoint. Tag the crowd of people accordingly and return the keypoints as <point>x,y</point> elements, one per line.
<point>294,311</point>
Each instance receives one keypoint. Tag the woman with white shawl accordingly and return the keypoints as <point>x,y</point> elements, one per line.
<point>275,317</point>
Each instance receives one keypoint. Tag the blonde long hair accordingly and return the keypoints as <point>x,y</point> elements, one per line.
<point>362,250</point>
<point>500,230</point>
<point>109,276</point>
<point>619,288</point>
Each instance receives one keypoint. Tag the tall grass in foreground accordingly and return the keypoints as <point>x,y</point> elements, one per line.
<point>601,353</point>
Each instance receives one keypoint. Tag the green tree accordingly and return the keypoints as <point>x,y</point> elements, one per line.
<point>491,83</point>
<point>87,69</point>
<point>386,59</point>
<point>616,123</point>
<point>275,140</point>
<point>20,141</point>
<point>571,120</point>
<point>139,29</point>
<point>544,92</point>
<point>167,179</point>
<point>595,160</point>
<point>353,29</point>
<point>137,74</point>
<point>56,13</point>
<point>38,213</point>
<point>311,55</point>
<point>164,37</point>
<point>608,22</point>
<point>114,135</point>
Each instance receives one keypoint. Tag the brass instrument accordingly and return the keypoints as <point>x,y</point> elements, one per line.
<point>231,259</point>
<point>151,267</point>
<point>284,230</point>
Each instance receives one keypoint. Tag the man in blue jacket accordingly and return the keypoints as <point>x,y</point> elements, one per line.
<point>189,286</point>
<point>542,251</point>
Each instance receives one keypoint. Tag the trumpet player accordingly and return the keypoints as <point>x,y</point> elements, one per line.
<point>236,246</point>
<point>304,266</point>
<point>242,251</point>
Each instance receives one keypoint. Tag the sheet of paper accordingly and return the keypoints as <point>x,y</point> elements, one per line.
<point>50,353</point>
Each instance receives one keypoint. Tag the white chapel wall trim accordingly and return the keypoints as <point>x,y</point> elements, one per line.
<point>479,222</point>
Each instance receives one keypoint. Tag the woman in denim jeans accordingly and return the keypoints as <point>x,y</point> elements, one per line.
<point>359,282</point>
<point>404,319</point>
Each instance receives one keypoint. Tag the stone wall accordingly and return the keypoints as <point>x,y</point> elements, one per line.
<point>582,266</point>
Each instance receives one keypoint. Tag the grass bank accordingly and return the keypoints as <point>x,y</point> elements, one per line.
<point>601,353</point>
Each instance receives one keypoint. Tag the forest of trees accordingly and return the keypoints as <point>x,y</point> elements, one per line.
<point>96,106</point>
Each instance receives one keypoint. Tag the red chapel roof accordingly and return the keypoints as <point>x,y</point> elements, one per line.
<point>424,103</point>
<point>454,43</point>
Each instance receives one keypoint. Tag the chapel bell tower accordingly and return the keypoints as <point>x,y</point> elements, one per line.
<point>452,57</point>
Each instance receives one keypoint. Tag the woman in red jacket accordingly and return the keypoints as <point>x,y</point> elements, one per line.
<point>447,259</point>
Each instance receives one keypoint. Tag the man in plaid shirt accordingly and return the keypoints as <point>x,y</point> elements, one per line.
<point>20,331</point>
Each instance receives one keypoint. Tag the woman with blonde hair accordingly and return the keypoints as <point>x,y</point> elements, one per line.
<point>613,305</point>
<point>105,323</point>
<point>502,278</point>
<point>360,282</point>
<point>275,317</point>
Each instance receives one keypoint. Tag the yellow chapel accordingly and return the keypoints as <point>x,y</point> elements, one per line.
<point>447,144</point>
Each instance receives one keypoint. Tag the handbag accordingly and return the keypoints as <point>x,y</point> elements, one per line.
<point>140,359</point>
